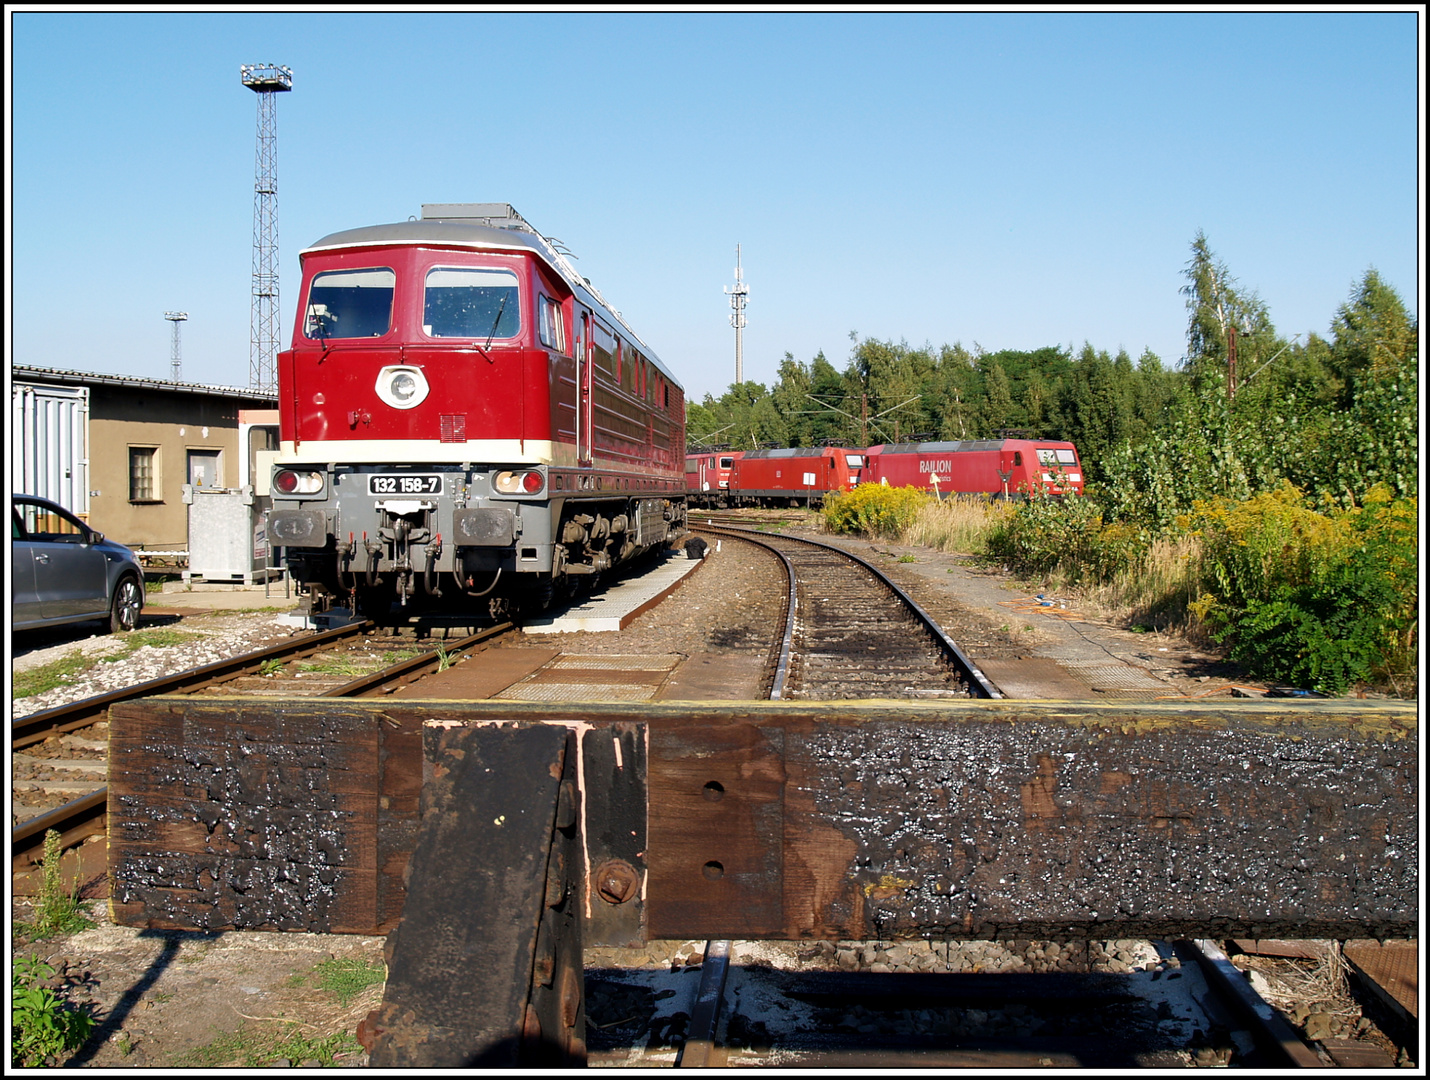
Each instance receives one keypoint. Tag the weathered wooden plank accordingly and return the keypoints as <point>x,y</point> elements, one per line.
<point>841,819</point>
<point>613,806</point>
<point>716,830</point>
<point>223,815</point>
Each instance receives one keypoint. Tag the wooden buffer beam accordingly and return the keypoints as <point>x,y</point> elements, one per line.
<point>496,838</point>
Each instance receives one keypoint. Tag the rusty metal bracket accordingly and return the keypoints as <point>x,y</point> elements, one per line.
<point>485,968</point>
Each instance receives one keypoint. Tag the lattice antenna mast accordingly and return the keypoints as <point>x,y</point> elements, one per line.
<point>175,358</point>
<point>737,297</point>
<point>265,80</point>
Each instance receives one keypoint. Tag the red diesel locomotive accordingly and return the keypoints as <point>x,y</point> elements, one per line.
<point>464,418</point>
<point>1003,468</point>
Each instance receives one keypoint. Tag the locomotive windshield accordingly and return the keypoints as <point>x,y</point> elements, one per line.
<point>349,304</point>
<point>1050,456</point>
<point>471,303</point>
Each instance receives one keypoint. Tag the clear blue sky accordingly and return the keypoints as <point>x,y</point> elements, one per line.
<point>1012,180</point>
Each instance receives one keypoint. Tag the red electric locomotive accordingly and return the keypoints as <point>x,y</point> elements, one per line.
<point>707,476</point>
<point>793,477</point>
<point>464,417</point>
<point>1002,468</point>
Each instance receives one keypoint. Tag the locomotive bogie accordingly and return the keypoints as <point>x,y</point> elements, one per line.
<point>441,531</point>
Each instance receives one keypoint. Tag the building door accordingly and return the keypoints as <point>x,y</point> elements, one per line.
<point>204,469</point>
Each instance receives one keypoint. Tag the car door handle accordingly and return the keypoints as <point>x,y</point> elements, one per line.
<point>41,557</point>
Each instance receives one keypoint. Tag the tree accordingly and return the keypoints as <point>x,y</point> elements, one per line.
<point>1373,332</point>
<point>1216,307</point>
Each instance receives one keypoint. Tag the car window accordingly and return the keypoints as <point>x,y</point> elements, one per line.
<point>51,525</point>
<point>16,533</point>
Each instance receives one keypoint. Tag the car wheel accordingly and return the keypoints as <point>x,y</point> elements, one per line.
<point>124,610</point>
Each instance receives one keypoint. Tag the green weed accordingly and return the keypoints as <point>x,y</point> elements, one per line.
<point>347,977</point>
<point>252,1048</point>
<point>46,677</point>
<point>43,1025</point>
<point>154,639</point>
<point>57,910</point>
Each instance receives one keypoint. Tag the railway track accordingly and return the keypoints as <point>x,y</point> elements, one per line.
<point>850,632</point>
<point>349,661</point>
<point>871,1017</point>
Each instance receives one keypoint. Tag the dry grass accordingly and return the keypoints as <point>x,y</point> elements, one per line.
<point>1155,593</point>
<point>1297,980</point>
<point>959,525</point>
<point>1158,591</point>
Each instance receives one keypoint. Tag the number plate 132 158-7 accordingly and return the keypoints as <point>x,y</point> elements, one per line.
<point>404,484</point>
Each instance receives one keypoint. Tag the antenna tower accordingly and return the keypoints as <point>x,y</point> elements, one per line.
<point>175,360</point>
<point>265,80</point>
<point>737,316</point>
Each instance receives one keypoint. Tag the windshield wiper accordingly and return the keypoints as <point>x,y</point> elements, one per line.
<point>322,321</point>
<point>495,323</point>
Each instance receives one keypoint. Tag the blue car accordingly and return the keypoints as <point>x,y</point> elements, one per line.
<point>66,572</point>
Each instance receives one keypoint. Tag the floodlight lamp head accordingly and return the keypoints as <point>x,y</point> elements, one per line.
<point>266,78</point>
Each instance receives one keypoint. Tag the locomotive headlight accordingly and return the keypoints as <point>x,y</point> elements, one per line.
<point>292,482</point>
<point>525,482</point>
<point>402,386</point>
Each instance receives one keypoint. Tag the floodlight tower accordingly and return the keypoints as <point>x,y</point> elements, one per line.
<point>175,360</point>
<point>737,316</point>
<point>265,80</point>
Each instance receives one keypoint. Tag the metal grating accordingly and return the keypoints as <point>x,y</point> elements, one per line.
<point>552,691</point>
<point>1110,678</point>
<point>615,663</point>
<point>454,428</point>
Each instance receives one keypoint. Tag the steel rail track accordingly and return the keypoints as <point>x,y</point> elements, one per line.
<point>85,816</point>
<point>37,727</point>
<point>1270,1030</point>
<point>979,684</point>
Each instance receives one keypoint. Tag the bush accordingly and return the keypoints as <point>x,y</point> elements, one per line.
<point>1044,535</point>
<point>1318,600</point>
<point>874,510</point>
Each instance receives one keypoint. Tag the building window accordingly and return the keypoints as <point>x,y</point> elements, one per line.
<point>141,474</point>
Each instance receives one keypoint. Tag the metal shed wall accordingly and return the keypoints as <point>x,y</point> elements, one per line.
<point>49,436</point>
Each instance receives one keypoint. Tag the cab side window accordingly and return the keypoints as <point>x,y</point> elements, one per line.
<point>553,326</point>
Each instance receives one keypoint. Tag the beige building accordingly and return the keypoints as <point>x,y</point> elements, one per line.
<point>119,451</point>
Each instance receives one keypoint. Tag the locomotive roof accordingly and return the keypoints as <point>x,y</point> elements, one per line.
<point>468,234</point>
<point>795,451</point>
<point>960,446</point>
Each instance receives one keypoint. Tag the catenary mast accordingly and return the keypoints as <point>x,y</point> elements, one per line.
<point>265,80</point>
